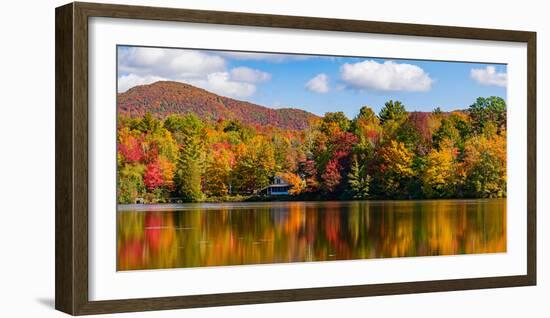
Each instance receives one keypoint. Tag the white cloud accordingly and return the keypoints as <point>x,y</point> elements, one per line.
<point>206,70</point>
<point>128,81</point>
<point>318,84</point>
<point>249,75</point>
<point>221,83</point>
<point>169,63</point>
<point>218,82</point>
<point>145,56</point>
<point>387,76</point>
<point>489,76</point>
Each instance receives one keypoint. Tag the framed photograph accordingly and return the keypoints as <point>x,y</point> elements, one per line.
<point>211,158</point>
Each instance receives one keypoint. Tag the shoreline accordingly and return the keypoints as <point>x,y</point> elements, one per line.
<point>217,205</point>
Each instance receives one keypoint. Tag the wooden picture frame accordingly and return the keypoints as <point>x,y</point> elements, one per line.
<point>71,122</point>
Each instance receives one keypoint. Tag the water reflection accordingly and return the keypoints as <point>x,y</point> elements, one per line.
<point>192,235</point>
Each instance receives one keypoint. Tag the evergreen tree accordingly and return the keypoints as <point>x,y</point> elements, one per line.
<point>359,182</point>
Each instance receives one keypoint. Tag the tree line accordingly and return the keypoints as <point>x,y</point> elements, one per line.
<point>394,154</point>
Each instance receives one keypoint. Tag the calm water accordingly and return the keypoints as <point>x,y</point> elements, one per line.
<point>192,235</point>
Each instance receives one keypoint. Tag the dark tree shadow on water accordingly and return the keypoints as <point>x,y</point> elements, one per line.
<point>48,302</point>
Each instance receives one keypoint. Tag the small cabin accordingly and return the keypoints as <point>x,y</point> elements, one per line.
<point>278,187</point>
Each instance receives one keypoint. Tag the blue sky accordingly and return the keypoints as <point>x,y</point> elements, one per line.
<point>317,84</point>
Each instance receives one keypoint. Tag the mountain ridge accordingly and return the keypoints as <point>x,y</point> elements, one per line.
<point>164,98</point>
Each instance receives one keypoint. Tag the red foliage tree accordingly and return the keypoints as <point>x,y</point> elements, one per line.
<point>331,177</point>
<point>309,171</point>
<point>130,147</point>
<point>151,152</point>
<point>153,176</point>
<point>420,121</point>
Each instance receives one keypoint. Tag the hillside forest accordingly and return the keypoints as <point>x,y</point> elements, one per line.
<point>395,154</point>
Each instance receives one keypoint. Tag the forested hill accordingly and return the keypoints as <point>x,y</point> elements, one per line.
<point>164,98</point>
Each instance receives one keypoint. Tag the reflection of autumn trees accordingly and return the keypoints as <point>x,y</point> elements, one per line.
<point>298,231</point>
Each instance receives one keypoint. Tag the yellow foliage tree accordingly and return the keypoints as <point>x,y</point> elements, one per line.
<point>298,184</point>
<point>255,165</point>
<point>397,158</point>
<point>396,168</point>
<point>167,168</point>
<point>439,175</point>
<point>218,168</point>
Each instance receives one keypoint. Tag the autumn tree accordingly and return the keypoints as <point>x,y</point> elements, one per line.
<point>148,123</point>
<point>366,126</point>
<point>335,120</point>
<point>439,176</point>
<point>308,169</point>
<point>488,110</point>
<point>284,154</point>
<point>255,165</point>
<point>463,123</point>
<point>446,131</point>
<point>485,166</point>
<point>396,169</point>
<point>335,159</point>
<point>359,182</point>
<point>130,183</point>
<point>237,132</point>
<point>167,168</point>
<point>218,169</point>
<point>153,176</point>
<point>130,145</point>
<point>420,122</point>
<point>331,176</point>
<point>408,134</point>
<point>392,116</point>
<point>297,183</point>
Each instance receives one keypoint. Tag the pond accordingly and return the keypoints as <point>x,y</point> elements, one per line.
<point>214,234</point>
